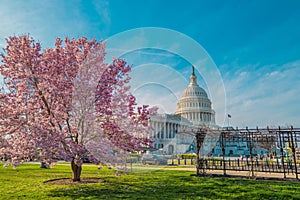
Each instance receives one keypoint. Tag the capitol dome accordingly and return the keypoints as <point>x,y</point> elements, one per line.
<point>195,105</point>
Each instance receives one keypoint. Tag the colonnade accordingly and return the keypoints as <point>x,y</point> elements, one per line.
<point>164,130</point>
<point>199,116</point>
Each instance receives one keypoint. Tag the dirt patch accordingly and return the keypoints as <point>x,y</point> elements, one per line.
<point>181,169</point>
<point>68,181</point>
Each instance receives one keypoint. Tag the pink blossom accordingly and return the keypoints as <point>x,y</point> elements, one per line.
<point>65,103</point>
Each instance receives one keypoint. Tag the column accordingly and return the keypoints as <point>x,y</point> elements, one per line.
<point>162,135</point>
<point>169,132</point>
<point>172,129</point>
<point>152,129</point>
<point>172,133</point>
<point>158,132</point>
<point>165,130</point>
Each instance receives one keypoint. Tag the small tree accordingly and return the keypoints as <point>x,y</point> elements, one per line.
<point>65,103</point>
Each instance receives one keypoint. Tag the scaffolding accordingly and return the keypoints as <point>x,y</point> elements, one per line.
<point>269,150</point>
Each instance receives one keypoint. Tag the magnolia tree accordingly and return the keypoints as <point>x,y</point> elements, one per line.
<point>66,103</point>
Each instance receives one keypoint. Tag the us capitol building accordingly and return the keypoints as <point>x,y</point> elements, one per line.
<point>194,108</point>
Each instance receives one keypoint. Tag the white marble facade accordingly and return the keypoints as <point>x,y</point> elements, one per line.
<point>193,109</point>
<point>166,132</point>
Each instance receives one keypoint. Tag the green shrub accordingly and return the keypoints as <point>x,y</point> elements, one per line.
<point>187,156</point>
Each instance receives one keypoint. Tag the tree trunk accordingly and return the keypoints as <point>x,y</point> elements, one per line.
<point>76,171</point>
<point>44,165</point>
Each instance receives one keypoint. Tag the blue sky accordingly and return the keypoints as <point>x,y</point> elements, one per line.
<point>255,46</point>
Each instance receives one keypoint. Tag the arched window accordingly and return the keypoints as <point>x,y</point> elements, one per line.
<point>170,149</point>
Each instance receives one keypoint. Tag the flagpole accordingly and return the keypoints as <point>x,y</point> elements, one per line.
<point>228,116</point>
<point>228,120</point>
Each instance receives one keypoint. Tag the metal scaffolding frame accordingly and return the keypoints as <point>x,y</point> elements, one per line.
<point>280,145</point>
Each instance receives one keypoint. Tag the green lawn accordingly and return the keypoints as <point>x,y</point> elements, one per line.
<point>26,182</point>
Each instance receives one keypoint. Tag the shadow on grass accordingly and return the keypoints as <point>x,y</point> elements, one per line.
<point>177,185</point>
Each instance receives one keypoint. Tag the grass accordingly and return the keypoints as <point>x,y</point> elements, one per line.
<point>26,182</point>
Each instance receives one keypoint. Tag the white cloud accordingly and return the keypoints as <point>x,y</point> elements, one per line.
<point>157,84</point>
<point>264,96</point>
<point>46,20</point>
<point>275,73</point>
<point>102,8</point>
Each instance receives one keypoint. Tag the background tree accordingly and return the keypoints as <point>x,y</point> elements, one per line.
<point>267,142</point>
<point>65,103</point>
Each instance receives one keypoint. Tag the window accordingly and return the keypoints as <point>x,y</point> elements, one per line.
<point>171,149</point>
